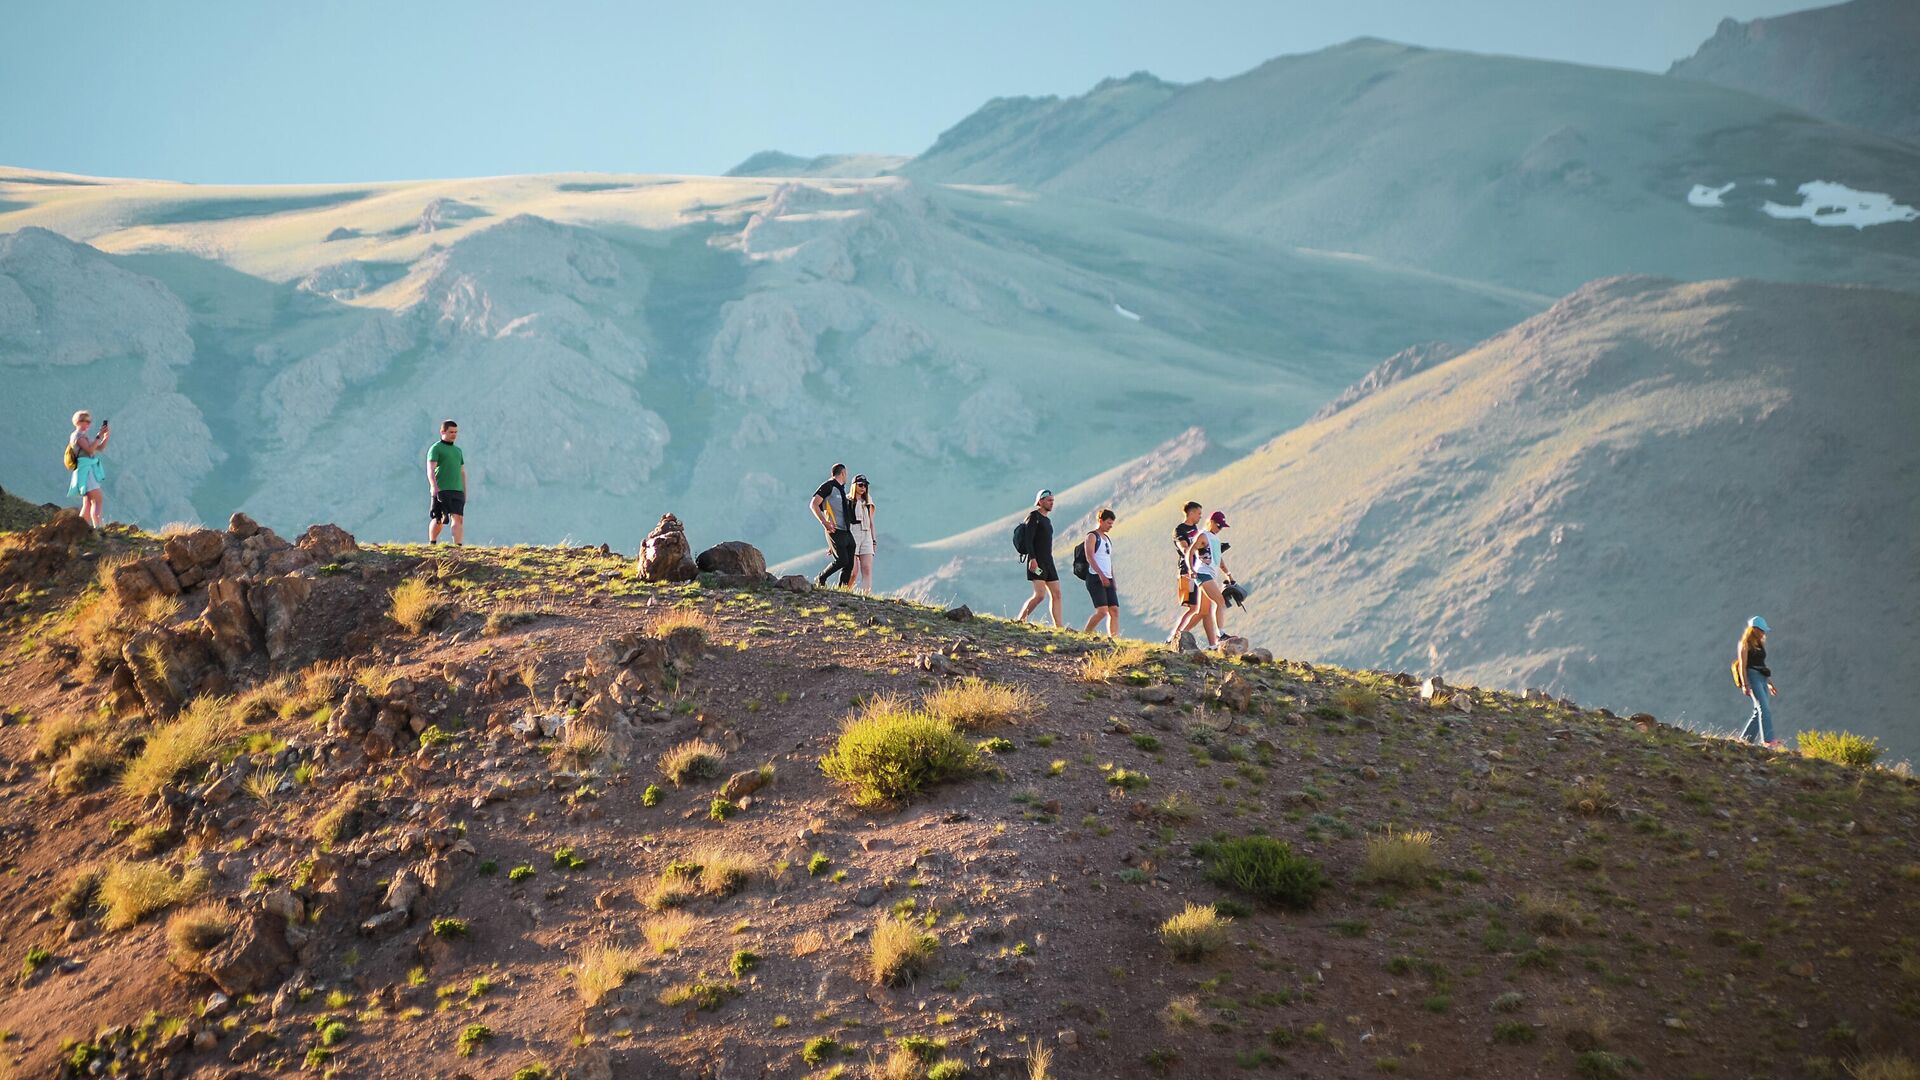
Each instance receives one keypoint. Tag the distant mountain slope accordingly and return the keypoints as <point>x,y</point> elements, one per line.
<point>1855,63</point>
<point>1595,501</point>
<point>775,163</point>
<point>1533,174</point>
<point>617,346</point>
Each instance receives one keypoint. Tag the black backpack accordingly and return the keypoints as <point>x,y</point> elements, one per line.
<point>1020,537</point>
<point>1080,568</point>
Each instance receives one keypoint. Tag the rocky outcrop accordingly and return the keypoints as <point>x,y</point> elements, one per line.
<point>665,554</point>
<point>275,602</point>
<point>170,667</point>
<point>136,582</point>
<point>327,543</point>
<point>735,558</point>
<point>230,621</point>
<point>254,957</point>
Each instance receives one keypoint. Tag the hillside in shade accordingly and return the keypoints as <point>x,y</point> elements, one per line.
<point>1529,173</point>
<point>1855,63</point>
<point>1594,502</point>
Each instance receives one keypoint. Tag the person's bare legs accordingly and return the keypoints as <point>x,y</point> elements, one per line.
<point>1111,615</point>
<point>1188,613</point>
<point>1053,605</point>
<point>1039,594</point>
<point>459,530</point>
<point>433,530</point>
<point>1211,601</point>
<point>863,573</point>
<point>93,508</point>
<point>1098,614</point>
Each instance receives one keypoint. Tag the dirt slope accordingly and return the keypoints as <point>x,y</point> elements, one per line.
<point>1595,502</point>
<point>1603,897</point>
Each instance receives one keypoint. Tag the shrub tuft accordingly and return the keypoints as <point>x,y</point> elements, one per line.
<point>1400,858</point>
<point>418,604</point>
<point>192,742</point>
<point>1840,747</point>
<point>695,759</point>
<point>899,950</point>
<point>974,703</point>
<point>891,754</point>
<point>1265,868</point>
<point>1196,931</point>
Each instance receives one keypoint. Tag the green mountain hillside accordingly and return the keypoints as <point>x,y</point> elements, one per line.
<point>1594,502</point>
<point>1533,174</point>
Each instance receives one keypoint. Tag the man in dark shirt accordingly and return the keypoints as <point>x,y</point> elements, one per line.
<point>830,509</point>
<point>1189,592</point>
<point>1040,572</point>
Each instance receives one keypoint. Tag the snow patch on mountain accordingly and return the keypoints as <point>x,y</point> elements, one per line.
<point>1826,203</point>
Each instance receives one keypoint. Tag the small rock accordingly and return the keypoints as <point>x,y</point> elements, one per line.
<point>385,922</point>
<point>868,896</point>
<point>250,1045</point>
<point>962,613</point>
<point>216,1005</point>
<point>205,1040</point>
<point>1432,688</point>
<point>1069,1039</point>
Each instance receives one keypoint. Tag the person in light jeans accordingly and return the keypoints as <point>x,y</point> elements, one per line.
<point>1755,679</point>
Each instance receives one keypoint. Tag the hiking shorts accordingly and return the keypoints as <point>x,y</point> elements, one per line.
<point>1103,595</point>
<point>1188,591</point>
<point>447,505</point>
<point>1045,573</point>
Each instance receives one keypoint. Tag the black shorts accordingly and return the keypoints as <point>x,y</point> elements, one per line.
<point>1045,573</point>
<point>447,504</point>
<point>1103,595</point>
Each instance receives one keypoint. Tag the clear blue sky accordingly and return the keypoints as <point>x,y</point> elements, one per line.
<point>266,91</point>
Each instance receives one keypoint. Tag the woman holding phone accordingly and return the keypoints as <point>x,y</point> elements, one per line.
<point>83,459</point>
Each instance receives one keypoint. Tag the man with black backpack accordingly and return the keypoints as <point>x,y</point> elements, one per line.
<point>1033,538</point>
<point>1093,564</point>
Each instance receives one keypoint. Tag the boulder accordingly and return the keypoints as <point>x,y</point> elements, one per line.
<point>1233,646</point>
<point>326,543</point>
<point>234,631</point>
<point>961,613</point>
<point>796,583</point>
<point>1187,642</point>
<point>665,555</point>
<point>198,550</point>
<point>1259,656</point>
<point>742,784</point>
<point>253,957</point>
<point>735,557</point>
<point>628,658</point>
<point>275,602</point>
<point>240,526</point>
<point>135,582</point>
<point>1433,687</point>
<point>1235,693</point>
<point>354,714</point>
<point>403,893</point>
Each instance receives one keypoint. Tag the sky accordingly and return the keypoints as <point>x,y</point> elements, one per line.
<point>241,91</point>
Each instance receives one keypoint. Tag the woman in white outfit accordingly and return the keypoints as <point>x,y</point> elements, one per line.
<point>1203,561</point>
<point>865,539</point>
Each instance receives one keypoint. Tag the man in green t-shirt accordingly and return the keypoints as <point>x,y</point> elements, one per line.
<point>447,483</point>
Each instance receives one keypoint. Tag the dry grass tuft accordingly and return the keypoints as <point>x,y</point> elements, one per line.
<point>418,604</point>
<point>1196,931</point>
<point>1592,798</point>
<point>676,620</point>
<point>77,893</point>
<point>1886,1067</point>
<point>197,929</point>
<point>1400,858</point>
<point>667,931</point>
<point>974,704</point>
<point>1039,1063</point>
<point>603,968</point>
<point>131,891</point>
<point>1107,665</point>
<point>342,820</point>
<point>58,734</point>
<point>808,942</point>
<point>900,950</point>
<point>695,759</point>
<point>87,761</point>
<point>1357,700</point>
<point>1552,914</point>
<point>582,745</point>
<point>191,742</point>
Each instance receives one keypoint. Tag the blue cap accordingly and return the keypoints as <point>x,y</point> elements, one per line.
<point>1760,624</point>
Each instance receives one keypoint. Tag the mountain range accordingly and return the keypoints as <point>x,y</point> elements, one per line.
<point>1369,297</point>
